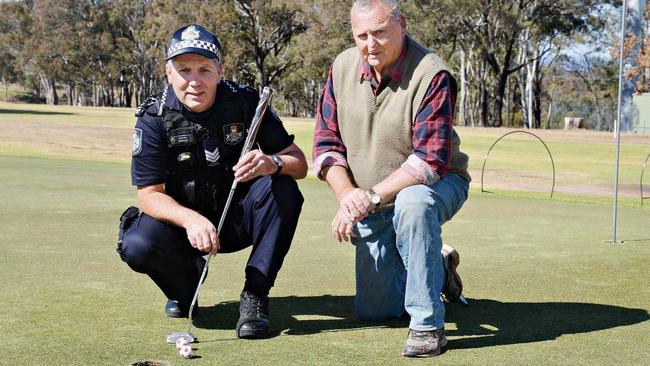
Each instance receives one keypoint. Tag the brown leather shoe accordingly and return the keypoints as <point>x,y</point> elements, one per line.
<point>452,289</point>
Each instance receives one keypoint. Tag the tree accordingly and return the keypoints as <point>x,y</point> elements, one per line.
<point>584,78</point>
<point>264,30</point>
<point>12,21</point>
<point>15,26</point>
<point>492,40</point>
<point>598,76</point>
<point>642,68</point>
<point>312,53</point>
<point>61,57</point>
<point>112,52</point>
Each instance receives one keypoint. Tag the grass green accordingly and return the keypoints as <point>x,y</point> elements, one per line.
<point>544,286</point>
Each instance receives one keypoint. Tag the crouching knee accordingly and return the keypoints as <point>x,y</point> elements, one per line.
<point>415,201</point>
<point>135,251</point>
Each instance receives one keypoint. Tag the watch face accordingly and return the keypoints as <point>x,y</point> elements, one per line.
<point>375,199</point>
<point>277,160</point>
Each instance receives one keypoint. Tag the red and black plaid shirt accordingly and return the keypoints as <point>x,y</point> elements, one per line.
<point>431,132</point>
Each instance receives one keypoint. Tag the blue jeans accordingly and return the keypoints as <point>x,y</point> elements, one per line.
<point>398,261</point>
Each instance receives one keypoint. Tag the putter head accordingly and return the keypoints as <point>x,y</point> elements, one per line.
<point>173,337</point>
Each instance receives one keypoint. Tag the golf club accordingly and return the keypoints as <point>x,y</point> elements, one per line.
<point>265,97</point>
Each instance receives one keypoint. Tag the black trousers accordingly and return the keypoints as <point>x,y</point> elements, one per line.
<point>263,214</point>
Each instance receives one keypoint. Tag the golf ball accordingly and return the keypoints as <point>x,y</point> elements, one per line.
<point>180,342</point>
<point>186,351</point>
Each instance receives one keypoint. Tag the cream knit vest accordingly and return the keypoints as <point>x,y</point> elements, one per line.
<point>376,130</point>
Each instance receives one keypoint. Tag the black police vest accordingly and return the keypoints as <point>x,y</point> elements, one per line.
<point>191,179</point>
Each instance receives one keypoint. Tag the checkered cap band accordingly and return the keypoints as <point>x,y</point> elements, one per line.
<point>195,43</point>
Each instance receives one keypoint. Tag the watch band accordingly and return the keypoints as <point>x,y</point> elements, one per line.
<point>278,162</point>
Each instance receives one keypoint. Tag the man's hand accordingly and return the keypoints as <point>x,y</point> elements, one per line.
<point>253,164</point>
<point>202,234</point>
<point>355,205</point>
<point>342,227</point>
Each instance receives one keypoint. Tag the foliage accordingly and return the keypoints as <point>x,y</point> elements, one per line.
<point>641,65</point>
<point>315,49</point>
<point>112,52</point>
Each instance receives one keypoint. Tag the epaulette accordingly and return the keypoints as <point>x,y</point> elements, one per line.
<point>234,88</point>
<point>247,88</point>
<point>150,105</point>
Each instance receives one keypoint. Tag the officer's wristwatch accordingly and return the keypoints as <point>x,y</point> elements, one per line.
<point>279,162</point>
<point>374,197</point>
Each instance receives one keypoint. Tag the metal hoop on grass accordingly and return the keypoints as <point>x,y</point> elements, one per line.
<point>641,180</point>
<point>529,133</point>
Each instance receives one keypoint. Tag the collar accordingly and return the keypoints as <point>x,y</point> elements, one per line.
<point>395,71</point>
<point>169,99</point>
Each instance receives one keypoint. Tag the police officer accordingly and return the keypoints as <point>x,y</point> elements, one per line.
<point>185,156</point>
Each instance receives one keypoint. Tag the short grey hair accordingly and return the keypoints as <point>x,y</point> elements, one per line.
<point>216,61</point>
<point>366,5</point>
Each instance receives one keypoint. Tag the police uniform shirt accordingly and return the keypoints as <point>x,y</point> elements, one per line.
<point>227,120</point>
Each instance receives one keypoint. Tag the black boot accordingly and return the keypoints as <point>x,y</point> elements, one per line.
<point>174,309</point>
<point>253,320</point>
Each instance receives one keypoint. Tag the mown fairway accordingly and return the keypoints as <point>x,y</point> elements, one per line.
<point>544,286</point>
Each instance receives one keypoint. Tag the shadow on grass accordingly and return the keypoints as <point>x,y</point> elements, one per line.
<point>296,315</point>
<point>484,323</point>
<point>27,111</point>
<point>490,323</point>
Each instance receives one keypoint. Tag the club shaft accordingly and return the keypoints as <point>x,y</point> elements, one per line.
<point>262,105</point>
<point>207,261</point>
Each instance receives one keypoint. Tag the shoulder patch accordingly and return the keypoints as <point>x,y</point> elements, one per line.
<point>136,147</point>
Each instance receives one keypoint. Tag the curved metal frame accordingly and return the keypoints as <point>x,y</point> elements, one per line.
<point>510,133</point>
<point>641,180</point>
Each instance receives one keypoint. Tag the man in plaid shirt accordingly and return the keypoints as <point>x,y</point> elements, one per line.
<point>385,144</point>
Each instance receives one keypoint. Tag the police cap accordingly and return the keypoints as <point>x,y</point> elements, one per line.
<point>194,39</point>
